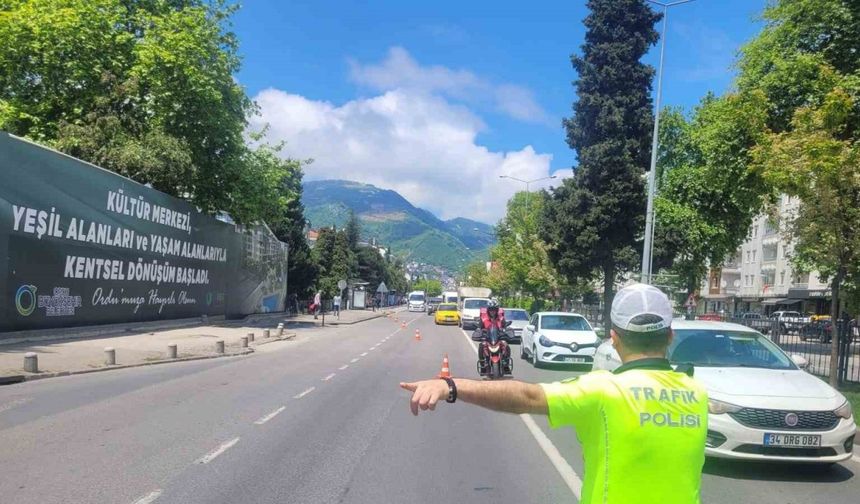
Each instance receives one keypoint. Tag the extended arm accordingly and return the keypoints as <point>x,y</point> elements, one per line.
<point>506,396</point>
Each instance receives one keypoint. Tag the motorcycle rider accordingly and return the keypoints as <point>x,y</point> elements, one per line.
<point>491,316</point>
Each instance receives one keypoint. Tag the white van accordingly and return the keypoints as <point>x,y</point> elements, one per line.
<point>450,297</point>
<point>417,301</point>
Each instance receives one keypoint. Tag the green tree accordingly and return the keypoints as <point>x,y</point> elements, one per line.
<point>709,195</point>
<point>521,255</point>
<point>430,286</point>
<point>353,230</point>
<point>141,87</point>
<point>806,64</point>
<point>816,163</point>
<point>334,259</point>
<point>594,219</point>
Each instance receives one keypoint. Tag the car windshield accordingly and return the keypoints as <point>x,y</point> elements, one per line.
<point>564,323</point>
<point>451,299</point>
<point>516,315</point>
<point>475,303</point>
<point>416,297</point>
<point>435,300</point>
<point>712,347</point>
<point>447,307</point>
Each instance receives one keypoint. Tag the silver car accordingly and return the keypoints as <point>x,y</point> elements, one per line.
<point>519,319</point>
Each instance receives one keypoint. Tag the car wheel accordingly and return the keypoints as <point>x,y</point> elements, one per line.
<point>535,359</point>
<point>523,354</point>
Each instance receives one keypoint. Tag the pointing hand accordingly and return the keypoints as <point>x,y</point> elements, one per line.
<point>425,394</point>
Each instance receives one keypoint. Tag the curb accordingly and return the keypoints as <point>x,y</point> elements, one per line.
<point>42,376</point>
<point>334,323</point>
<point>285,337</point>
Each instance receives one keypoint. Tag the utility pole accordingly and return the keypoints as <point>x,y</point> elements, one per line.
<point>648,248</point>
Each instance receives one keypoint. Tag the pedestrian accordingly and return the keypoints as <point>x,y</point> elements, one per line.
<point>336,304</point>
<point>642,427</point>
<point>317,303</point>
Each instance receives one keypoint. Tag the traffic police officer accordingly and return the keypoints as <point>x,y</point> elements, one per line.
<point>642,427</point>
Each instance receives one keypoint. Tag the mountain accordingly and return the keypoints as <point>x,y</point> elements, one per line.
<point>411,232</point>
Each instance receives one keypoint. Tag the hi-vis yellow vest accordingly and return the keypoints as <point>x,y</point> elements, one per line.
<point>642,431</point>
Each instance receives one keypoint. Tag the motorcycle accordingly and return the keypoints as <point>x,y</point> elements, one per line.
<point>497,354</point>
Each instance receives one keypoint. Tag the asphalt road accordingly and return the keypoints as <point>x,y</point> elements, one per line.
<point>316,420</point>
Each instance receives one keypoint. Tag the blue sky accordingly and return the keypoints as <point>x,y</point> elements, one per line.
<point>436,99</point>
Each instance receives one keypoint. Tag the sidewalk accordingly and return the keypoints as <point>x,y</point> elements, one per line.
<point>79,355</point>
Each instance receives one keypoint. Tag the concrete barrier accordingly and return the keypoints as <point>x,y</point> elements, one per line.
<point>31,362</point>
<point>266,334</point>
<point>219,346</point>
<point>244,342</point>
<point>251,337</point>
<point>110,356</point>
<point>172,352</point>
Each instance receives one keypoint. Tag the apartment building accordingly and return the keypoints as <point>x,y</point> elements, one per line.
<point>760,278</point>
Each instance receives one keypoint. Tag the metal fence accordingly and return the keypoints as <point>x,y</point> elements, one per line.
<point>813,340</point>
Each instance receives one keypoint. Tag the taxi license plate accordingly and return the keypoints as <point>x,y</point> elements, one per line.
<point>574,359</point>
<point>792,440</point>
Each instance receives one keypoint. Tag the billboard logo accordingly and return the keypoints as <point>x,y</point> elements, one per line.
<point>25,299</point>
<point>60,304</point>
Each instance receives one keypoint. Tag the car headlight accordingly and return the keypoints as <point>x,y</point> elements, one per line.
<point>546,341</point>
<point>719,407</point>
<point>843,411</point>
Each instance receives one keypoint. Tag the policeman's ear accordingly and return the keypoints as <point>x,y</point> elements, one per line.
<point>614,337</point>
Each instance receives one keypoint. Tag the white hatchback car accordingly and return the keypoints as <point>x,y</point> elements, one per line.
<point>558,337</point>
<point>762,405</point>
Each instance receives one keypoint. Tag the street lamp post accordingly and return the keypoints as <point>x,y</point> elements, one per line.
<point>648,248</point>
<point>529,183</point>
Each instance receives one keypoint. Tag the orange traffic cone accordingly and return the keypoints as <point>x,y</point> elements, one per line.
<point>417,335</point>
<point>445,373</point>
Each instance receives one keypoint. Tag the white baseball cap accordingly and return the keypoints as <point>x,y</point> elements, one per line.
<point>640,299</point>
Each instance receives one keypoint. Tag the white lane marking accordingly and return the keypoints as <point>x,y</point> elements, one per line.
<point>573,481</point>
<point>306,392</point>
<point>567,473</point>
<point>343,367</point>
<point>148,498</point>
<point>855,458</point>
<point>209,457</point>
<point>371,348</point>
<point>365,353</point>
<point>354,360</point>
<point>270,416</point>
<point>329,377</point>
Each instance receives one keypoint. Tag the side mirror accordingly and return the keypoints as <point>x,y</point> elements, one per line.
<point>801,361</point>
<point>530,327</point>
<point>508,323</point>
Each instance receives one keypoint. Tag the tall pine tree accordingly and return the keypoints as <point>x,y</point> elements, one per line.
<point>594,220</point>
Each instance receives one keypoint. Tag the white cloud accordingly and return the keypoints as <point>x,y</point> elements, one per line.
<point>407,139</point>
<point>400,70</point>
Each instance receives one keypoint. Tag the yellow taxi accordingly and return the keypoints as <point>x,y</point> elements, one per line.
<point>447,313</point>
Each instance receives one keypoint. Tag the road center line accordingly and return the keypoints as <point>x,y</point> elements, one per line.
<point>573,481</point>
<point>209,457</point>
<point>329,377</point>
<point>306,392</point>
<point>365,353</point>
<point>343,367</point>
<point>270,416</point>
<point>354,360</point>
<point>148,498</point>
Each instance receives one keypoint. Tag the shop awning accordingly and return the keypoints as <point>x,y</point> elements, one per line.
<point>773,301</point>
<point>791,301</point>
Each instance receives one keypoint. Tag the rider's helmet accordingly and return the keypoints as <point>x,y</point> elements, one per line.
<point>493,308</point>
